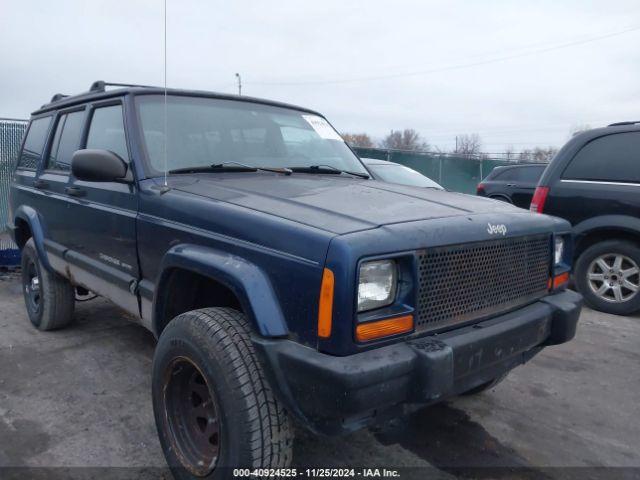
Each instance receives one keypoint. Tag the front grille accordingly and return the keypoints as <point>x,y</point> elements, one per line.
<point>459,283</point>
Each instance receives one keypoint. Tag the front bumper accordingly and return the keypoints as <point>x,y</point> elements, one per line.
<point>332,395</point>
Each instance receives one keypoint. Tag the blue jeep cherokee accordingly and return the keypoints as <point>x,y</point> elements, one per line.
<point>281,281</point>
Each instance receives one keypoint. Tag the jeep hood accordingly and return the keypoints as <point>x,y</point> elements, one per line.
<point>334,203</point>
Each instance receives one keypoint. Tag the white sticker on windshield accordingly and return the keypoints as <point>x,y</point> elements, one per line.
<point>322,127</point>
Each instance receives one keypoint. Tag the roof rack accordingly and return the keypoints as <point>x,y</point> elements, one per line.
<point>96,87</point>
<point>619,124</point>
<point>58,96</point>
<point>101,85</point>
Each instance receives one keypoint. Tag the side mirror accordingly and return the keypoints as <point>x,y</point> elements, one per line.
<point>98,166</point>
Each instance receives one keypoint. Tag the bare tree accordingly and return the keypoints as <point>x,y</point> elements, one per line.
<point>468,144</point>
<point>525,156</point>
<point>544,155</point>
<point>358,139</point>
<point>509,153</point>
<point>407,139</point>
<point>538,155</point>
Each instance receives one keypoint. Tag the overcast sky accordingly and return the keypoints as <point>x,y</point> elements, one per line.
<point>518,73</point>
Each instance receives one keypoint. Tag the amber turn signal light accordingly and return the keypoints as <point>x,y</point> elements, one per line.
<point>365,332</point>
<point>559,281</point>
<point>325,309</point>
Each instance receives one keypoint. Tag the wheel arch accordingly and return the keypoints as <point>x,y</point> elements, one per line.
<point>232,280</point>
<point>27,224</point>
<point>607,227</point>
<point>501,197</point>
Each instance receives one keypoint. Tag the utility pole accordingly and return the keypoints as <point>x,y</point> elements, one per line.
<point>239,83</point>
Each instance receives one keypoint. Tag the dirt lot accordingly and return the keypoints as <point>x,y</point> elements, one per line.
<point>81,398</point>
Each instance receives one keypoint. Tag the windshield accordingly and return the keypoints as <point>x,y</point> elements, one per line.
<point>394,173</point>
<point>204,132</point>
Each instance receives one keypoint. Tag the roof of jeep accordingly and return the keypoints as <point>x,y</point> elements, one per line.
<point>98,91</point>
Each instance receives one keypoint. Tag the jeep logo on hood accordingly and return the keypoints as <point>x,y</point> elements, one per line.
<point>499,228</point>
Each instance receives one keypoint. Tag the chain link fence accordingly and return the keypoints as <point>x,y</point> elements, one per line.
<point>11,133</point>
<point>454,172</point>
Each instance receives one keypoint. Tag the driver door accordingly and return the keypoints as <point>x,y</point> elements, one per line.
<point>102,229</point>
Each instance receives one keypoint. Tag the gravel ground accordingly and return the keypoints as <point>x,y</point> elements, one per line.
<point>80,397</point>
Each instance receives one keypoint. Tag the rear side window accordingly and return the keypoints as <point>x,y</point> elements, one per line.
<point>613,158</point>
<point>524,174</point>
<point>529,174</point>
<point>503,175</point>
<point>106,131</point>
<point>34,143</point>
<point>65,141</point>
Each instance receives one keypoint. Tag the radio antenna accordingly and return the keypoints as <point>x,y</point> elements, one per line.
<point>165,95</point>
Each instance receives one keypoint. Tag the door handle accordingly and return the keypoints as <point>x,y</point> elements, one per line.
<point>75,191</point>
<point>511,185</point>
<point>40,184</point>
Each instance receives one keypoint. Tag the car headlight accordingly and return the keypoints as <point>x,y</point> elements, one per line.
<point>377,284</point>
<point>558,250</point>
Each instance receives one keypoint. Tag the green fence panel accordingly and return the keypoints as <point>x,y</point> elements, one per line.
<point>378,153</point>
<point>460,174</point>
<point>428,165</point>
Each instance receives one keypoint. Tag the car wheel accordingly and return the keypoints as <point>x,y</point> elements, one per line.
<point>608,276</point>
<point>49,297</point>
<point>485,386</point>
<point>213,407</point>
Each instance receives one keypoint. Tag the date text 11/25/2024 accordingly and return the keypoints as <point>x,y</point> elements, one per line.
<point>316,472</point>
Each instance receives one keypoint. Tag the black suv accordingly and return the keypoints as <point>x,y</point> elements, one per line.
<point>281,281</point>
<point>513,183</point>
<point>594,183</point>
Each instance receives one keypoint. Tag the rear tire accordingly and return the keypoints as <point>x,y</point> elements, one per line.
<point>229,403</point>
<point>588,272</point>
<point>49,297</point>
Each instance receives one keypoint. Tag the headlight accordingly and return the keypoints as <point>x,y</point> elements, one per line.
<point>558,250</point>
<point>377,284</point>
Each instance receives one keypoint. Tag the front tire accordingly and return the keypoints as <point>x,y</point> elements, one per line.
<point>485,386</point>
<point>608,276</point>
<point>213,407</point>
<point>49,297</point>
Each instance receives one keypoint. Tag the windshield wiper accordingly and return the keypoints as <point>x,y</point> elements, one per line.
<point>229,167</point>
<point>327,169</point>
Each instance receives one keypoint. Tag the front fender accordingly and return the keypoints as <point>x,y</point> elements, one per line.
<point>246,280</point>
<point>29,215</point>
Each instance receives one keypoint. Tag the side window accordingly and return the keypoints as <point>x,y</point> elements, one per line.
<point>107,131</point>
<point>34,143</point>
<point>505,175</point>
<point>65,141</point>
<point>613,158</point>
<point>529,174</point>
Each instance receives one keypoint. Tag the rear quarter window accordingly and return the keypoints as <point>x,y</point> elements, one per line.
<point>612,158</point>
<point>502,174</point>
<point>34,143</point>
<point>530,174</point>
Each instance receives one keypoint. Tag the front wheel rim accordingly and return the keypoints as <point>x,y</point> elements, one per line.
<point>614,278</point>
<point>191,415</point>
<point>32,287</point>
